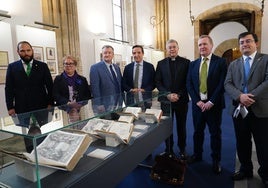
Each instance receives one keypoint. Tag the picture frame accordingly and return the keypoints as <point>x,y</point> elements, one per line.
<point>3,76</point>
<point>3,58</point>
<point>50,52</point>
<point>38,53</point>
<point>52,67</point>
<point>7,121</point>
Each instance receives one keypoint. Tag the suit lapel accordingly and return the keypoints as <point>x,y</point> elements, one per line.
<point>118,73</point>
<point>107,72</point>
<point>167,70</point>
<point>21,68</point>
<point>256,60</point>
<point>212,65</point>
<point>198,64</point>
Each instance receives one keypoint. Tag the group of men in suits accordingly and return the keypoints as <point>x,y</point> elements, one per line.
<point>204,79</point>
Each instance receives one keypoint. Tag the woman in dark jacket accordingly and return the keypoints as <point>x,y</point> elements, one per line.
<point>70,87</point>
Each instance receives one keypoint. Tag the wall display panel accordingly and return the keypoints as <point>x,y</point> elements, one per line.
<point>3,58</point>
<point>3,76</point>
<point>157,56</point>
<point>6,46</point>
<point>38,53</point>
<point>6,56</point>
<point>45,50</point>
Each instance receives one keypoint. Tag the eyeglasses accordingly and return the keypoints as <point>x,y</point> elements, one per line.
<point>246,41</point>
<point>68,64</point>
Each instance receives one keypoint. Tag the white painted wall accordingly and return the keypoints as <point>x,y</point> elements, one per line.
<point>222,32</point>
<point>21,14</point>
<point>96,22</point>
<point>145,31</point>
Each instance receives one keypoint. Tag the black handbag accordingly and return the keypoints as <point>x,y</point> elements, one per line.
<point>168,169</point>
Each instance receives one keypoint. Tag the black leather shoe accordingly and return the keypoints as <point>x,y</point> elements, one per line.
<point>241,175</point>
<point>216,167</point>
<point>194,159</point>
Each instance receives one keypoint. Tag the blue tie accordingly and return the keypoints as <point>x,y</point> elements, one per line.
<point>246,73</point>
<point>115,79</point>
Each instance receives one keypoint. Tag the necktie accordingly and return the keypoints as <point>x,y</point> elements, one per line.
<point>246,73</point>
<point>203,76</point>
<point>33,121</point>
<point>28,69</point>
<point>136,79</point>
<point>115,80</point>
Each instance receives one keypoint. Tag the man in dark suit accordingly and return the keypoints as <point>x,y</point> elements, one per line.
<point>142,83</point>
<point>171,74</point>
<point>105,82</point>
<point>30,92</point>
<point>249,90</point>
<point>28,88</point>
<point>205,85</point>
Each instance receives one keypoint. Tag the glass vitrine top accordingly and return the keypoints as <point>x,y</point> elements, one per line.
<point>41,122</point>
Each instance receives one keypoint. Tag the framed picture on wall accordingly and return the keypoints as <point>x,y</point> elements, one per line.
<point>3,76</point>
<point>38,53</point>
<point>52,67</point>
<point>3,58</point>
<point>50,53</point>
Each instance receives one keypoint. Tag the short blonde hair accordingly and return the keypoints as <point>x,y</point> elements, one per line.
<point>69,57</point>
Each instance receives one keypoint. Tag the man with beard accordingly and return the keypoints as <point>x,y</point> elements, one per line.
<point>28,84</point>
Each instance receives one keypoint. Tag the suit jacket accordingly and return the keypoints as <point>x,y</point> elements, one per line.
<point>102,83</point>
<point>28,93</point>
<point>61,90</point>
<point>147,77</point>
<point>215,81</point>
<point>163,78</point>
<point>257,83</point>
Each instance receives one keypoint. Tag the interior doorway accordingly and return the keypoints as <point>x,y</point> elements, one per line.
<point>231,54</point>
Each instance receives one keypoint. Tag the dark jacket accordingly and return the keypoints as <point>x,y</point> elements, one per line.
<point>61,91</point>
<point>28,93</point>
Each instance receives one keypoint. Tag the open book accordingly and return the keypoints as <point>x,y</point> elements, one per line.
<point>127,118</point>
<point>59,149</point>
<point>133,110</point>
<point>103,128</point>
<point>151,115</point>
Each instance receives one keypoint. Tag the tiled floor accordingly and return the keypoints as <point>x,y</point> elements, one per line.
<point>255,182</point>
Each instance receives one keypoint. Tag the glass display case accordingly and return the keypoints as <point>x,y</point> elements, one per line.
<point>76,144</point>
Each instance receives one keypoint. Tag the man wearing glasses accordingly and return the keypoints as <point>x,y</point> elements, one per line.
<point>105,81</point>
<point>247,84</point>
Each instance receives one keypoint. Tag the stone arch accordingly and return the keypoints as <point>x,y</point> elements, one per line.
<point>226,45</point>
<point>210,13</point>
